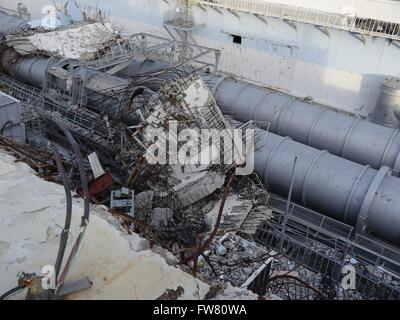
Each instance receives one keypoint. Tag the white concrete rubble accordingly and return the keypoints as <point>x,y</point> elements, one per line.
<point>234,293</point>
<point>235,210</point>
<point>80,42</point>
<point>32,213</point>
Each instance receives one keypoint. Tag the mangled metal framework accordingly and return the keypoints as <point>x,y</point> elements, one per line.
<point>114,116</point>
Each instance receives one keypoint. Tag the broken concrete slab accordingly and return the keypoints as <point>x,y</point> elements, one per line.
<point>30,225</point>
<point>78,42</point>
<point>234,213</point>
<point>189,192</point>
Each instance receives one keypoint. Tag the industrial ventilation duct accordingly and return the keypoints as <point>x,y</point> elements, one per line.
<point>317,126</point>
<point>320,127</point>
<point>355,194</point>
<point>29,70</point>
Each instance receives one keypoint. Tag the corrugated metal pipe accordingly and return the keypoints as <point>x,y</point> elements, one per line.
<point>347,191</point>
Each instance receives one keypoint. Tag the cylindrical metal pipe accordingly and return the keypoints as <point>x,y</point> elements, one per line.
<point>142,67</point>
<point>10,24</point>
<point>30,70</point>
<point>317,126</point>
<point>347,191</point>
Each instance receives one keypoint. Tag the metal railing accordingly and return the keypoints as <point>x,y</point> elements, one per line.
<point>365,26</point>
<point>79,120</point>
<point>24,93</point>
<point>338,235</point>
<point>155,47</point>
<point>298,249</point>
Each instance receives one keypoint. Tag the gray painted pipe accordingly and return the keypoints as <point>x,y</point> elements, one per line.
<point>317,126</point>
<point>29,70</point>
<point>141,67</point>
<point>387,109</point>
<point>344,190</point>
<point>10,24</point>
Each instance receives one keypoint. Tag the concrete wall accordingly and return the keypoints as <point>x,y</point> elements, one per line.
<point>338,70</point>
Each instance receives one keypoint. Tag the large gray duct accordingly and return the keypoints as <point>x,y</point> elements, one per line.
<point>144,66</point>
<point>29,70</point>
<point>10,24</point>
<point>317,126</point>
<point>387,109</point>
<point>357,195</point>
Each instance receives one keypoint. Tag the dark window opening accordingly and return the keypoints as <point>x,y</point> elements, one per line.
<point>236,39</point>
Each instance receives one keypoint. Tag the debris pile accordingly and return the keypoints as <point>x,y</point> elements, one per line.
<point>119,265</point>
<point>80,42</point>
<point>117,142</point>
<point>232,259</point>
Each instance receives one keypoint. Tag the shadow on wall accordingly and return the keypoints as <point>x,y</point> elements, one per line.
<point>359,96</point>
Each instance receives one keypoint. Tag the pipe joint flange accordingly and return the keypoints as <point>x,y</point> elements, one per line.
<point>269,159</point>
<point>362,220</point>
<point>219,82</point>
<point>396,167</point>
<point>282,115</point>
<point>353,191</point>
<point>387,148</point>
<point>308,174</point>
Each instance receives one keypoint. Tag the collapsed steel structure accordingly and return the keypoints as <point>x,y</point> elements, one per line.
<point>358,195</point>
<point>347,167</point>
